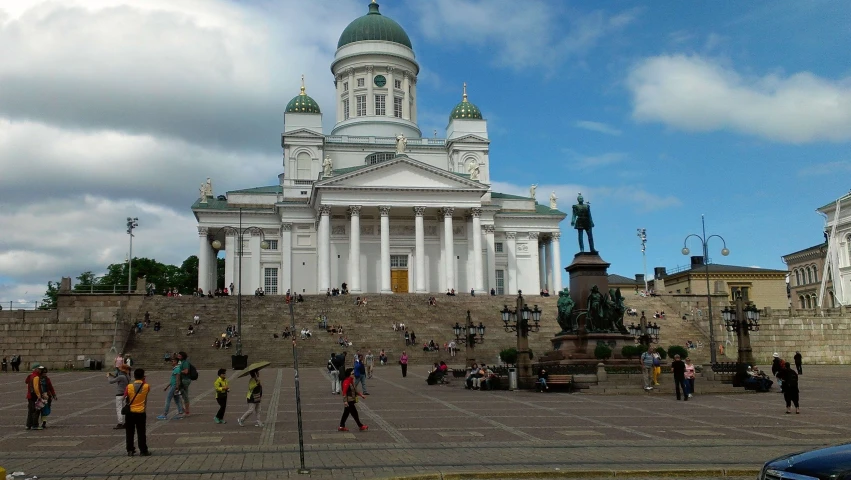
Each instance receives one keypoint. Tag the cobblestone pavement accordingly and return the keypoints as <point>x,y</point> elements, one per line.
<point>415,429</point>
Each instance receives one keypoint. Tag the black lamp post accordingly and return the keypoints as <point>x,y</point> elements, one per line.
<point>240,361</point>
<point>517,320</point>
<point>469,335</point>
<point>132,223</point>
<point>742,319</point>
<point>645,332</point>
<point>704,240</point>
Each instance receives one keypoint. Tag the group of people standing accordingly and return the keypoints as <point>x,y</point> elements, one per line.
<point>787,379</point>
<point>40,397</point>
<point>14,362</point>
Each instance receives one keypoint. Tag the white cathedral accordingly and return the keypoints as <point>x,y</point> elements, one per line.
<point>374,204</point>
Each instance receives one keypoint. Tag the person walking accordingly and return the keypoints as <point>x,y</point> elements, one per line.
<point>136,419</point>
<point>679,369</point>
<point>5,365</point>
<point>360,373</point>
<point>689,377</point>
<point>370,363</point>
<point>775,369</point>
<point>255,393</point>
<point>173,391</point>
<point>350,398</point>
<point>222,389</point>
<point>48,395</point>
<point>336,365</point>
<point>790,388</point>
<point>646,360</point>
<point>16,363</point>
<point>119,361</point>
<point>34,393</point>
<point>403,361</point>
<point>185,379</point>
<point>120,380</point>
<point>798,361</point>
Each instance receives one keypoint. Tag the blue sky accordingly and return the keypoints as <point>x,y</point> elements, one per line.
<point>657,112</point>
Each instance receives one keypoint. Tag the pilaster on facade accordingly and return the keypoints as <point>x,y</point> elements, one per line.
<point>354,249</point>
<point>511,247</point>
<point>385,249</point>
<point>556,260</point>
<point>419,245</point>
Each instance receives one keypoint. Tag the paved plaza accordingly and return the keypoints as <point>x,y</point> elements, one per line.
<point>417,430</point>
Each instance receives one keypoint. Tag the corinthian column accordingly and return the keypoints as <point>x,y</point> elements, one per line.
<point>204,254</point>
<point>354,249</point>
<point>449,239</point>
<point>511,246</point>
<point>419,244</point>
<point>478,281</point>
<point>324,248</point>
<point>556,251</point>
<point>385,249</point>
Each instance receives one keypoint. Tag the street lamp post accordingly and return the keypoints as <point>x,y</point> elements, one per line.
<point>517,320</point>
<point>240,361</point>
<point>742,319</point>
<point>467,335</point>
<point>645,332</point>
<point>303,470</point>
<point>704,240</point>
<point>132,223</point>
<point>642,234</point>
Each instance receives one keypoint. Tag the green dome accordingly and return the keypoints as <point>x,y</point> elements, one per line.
<point>465,109</point>
<point>302,103</point>
<point>374,26</point>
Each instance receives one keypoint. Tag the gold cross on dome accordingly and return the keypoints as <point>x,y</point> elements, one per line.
<point>302,85</point>
<point>465,92</point>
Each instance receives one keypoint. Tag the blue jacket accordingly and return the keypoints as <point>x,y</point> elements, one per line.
<point>360,370</point>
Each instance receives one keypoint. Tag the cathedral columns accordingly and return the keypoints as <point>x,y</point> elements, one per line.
<point>286,258</point>
<point>324,260</point>
<point>478,280</point>
<point>548,264</point>
<point>354,249</point>
<point>419,245</point>
<point>370,98</point>
<point>406,97</point>
<point>391,87</point>
<point>449,246</point>
<point>385,249</point>
<point>542,265</point>
<point>556,262</point>
<point>491,246</point>
<point>511,247</point>
<point>204,255</point>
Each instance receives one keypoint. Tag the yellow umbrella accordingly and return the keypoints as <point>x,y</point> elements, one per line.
<point>254,366</point>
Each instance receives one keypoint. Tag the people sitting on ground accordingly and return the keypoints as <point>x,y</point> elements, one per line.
<point>328,293</point>
<point>209,294</point>
<point>225,292</point>
<point>307,333</point>
<point>196,319</point>
<point>258,292</point>
<point>363,302</point>
<point>401,326</point>
<point>472,292</point>
<point>288,298</point>
<point>407,339</point>
<point>341,342</point>
<point>358,302</point>
<point>274,335</point>
<point>300,299</point>
<point>493,292</point>
<point>432,346</point>
<point>217,344</point>
<point>432,301</point>
<point>157,326</point>
<point>190,330</point>
<point>542,380</point>
<point>227,343</point>
<point>450,292</point>
<point>382,357</point>
<point>167,357</point>
<point>545,292</point>
<point>395,327</point>
<point>344,289</point>
<point>346,342</point>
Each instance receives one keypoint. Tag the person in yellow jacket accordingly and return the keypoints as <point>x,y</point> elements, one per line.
<point>222,388</point>
<point>136,397</point>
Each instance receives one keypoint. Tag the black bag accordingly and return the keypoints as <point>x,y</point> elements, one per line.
<point>256,393</point>
<point>125,410</point>
<point>193,373</point>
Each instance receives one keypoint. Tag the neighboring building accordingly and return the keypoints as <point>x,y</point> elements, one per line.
<point>805,270</point>
<point>374,204</point>
<point>765,287</point>
<point>838,231</point>
<point>626,284</point>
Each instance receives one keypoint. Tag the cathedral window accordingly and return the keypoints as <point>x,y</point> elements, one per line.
<point>270,283</point>
<point>273,244</point>
<point>497,246</point>
<point>303,166</point>
<point>361,105</point>
<point>360,82</point>
<point>397,107</point>
<point>379,157</point>
<point>397,83</point>
<point>345,109</point>
<point>345,86</point>
<point>815,273</point>
<point>381,104</point>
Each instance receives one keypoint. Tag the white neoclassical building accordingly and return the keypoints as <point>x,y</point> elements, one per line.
<point>373,203</point>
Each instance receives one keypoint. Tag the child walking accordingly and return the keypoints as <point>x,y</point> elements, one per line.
<point>222,388</point>
<point>255,393</point>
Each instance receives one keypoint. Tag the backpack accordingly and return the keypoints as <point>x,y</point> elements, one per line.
<point>193,373</point>
<point>657,362</point>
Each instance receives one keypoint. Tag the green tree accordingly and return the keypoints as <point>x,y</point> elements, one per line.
<point>220,273</point>
<point>189,267</point>
<point>85,281</point>
<point>51,296</point>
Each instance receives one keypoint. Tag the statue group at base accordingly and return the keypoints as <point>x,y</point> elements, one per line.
<point>603,315</point>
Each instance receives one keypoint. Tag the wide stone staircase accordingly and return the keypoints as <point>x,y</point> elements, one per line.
<point>673,330</point>
<point>368,327</point>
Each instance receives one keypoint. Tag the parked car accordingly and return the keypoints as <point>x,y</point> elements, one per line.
<point>833,463</point>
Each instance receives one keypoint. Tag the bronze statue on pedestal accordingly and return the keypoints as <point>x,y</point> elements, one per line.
<point>581,220</point>
<point>565,311</point>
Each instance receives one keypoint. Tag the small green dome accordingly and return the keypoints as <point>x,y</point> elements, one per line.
<point>465,109</point>
<point>374,26</point>
<point>302,103</point>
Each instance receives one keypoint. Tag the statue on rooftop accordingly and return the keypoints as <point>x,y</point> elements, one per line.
<point>327,166</point>
<point>553,200</point>
<point>401,144</point>
<point>473,168</point>
<point>582,220</point>
<point>532,190</point>
<point>206,190</point>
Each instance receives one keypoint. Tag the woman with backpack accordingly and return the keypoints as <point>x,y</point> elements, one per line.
<point>255,393</point>
<point>350,399</point>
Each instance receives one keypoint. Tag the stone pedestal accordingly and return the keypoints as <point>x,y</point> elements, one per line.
<point>586,270</point>
<point>572,348</point>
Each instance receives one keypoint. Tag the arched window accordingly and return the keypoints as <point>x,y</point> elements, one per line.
<point>815,274</point>
<point>809,302</point>
<point>798,278</point>
<point>809,275</point>
<point>848,245</point>
<point>801,300</point>
<point>303,166</point>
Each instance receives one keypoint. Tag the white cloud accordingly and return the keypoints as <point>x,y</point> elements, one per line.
<point>527,33</point>
<point>827,168</point>
<point>596,127</point>
<point>614,198</point>
<point>699,94</point>
<point>605,159</point>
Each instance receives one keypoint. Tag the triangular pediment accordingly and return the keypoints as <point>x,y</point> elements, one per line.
<point>401,172</point>
<point>303,132</point>
<point>471,138</point>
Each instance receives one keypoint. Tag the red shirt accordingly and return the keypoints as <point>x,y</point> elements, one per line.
<point>346,384</point>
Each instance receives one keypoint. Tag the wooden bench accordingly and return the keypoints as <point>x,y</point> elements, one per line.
<point>557,380</point>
